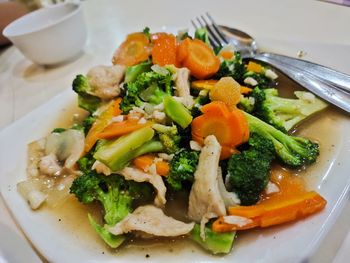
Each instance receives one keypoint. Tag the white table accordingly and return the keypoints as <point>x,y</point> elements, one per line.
<point>24,86</point>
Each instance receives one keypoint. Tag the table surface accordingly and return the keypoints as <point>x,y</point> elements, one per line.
<point>24,85</point>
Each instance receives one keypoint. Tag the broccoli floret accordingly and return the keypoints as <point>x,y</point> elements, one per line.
<point>263,81</point>
<point>111,191</point>
<point>248,171</point>
<point>168,136</point>
<point>291,150</point>
<point>185,136</point>
<point>85,163</point>
<point>182,35</point>
<point>116,196</point>
<point>85,125</point>
<point>86,101</point>
<point>202,34</point>
<point>182,168</point>
<point>133,72</point>
<point>112,240</point>
<point>232,68</point>
<point>58,130</point>
<point>216,243</point>
<point>199,101</point>
<point>247,104</point>
<point>147,32</point>
<point>149,87</point>
<point>284,113</point>
<point>81,84</point>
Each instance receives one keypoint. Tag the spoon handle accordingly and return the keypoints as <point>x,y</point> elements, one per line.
<point>321,88</point>
<point>328,75</point>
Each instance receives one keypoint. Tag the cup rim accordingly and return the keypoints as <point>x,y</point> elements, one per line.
<point>40,11</point>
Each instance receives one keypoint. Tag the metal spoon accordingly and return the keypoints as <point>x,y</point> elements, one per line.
<point>327,83</point>
<point>247,45</point>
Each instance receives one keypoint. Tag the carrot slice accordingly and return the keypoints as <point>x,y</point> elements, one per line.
<point>145,161</point>
<point>98,126</point>
<point>226,54</point>
<point>135,49</point>
<point>227,152</point>
<point>117,129</point>
<point>116,107</point>
<point>242,121</point>
<point>199,58</point>
<point>216,108</point>
<point>220,226</point>
<point>182,50</point>
<point>255,67</point>
<point>209,84</point>
<point>229,127</point>
<point>164,49</point>
<point>246,211</point>
<point>274,211</point>
<point>245,90</point>
<point>204,84</point>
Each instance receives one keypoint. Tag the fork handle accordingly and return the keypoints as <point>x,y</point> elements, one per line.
<point>328,75</point>
<point>323,89</point>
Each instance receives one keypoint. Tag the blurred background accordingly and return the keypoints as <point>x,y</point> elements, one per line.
<point>13,9</point>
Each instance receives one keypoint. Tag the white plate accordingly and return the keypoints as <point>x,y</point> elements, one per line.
<point>289,243</point>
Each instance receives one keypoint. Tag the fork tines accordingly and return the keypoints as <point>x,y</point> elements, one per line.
<point>216,37</point>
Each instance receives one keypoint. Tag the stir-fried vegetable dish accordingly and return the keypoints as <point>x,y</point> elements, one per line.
<point>174,115</point>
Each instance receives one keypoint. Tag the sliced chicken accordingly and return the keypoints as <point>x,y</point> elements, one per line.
<point>154,179</point>
<point>182,85</point>
<point>151,220</point>
<point>105,80</point>
<point>205,200</point>
<point>49,165</point>
<point>230,198</point>
<point>101,168</point>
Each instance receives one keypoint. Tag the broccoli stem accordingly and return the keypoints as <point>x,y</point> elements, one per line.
<point>148,147</point>
<point>116,154</point>
<point>177,112</point>
<point>293,151</point>
<point>284,113</point>
<point>217,243</point>
<point>112,240</point>
<point>285,105</point>
<point>112,200</point>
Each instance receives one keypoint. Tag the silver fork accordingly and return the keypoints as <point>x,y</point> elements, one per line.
<point>216,36</point>
<point>219,39</point>
<point>321,85</point>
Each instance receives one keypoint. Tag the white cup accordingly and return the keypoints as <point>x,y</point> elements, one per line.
<point>51,35</point>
